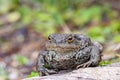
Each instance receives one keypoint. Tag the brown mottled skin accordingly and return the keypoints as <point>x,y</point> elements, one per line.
<point>68,51</point>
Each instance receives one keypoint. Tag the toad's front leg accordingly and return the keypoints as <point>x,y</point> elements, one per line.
<point>42,70</point>
<point>95,57</point>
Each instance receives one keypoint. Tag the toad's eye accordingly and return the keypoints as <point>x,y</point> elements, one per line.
<point>70,39</point>
<point>49,38</point>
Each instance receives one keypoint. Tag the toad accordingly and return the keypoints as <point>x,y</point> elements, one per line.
<point>68,51</point>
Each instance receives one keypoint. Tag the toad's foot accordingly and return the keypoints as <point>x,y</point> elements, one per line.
<point>87,64</point>
<point>46,72</point>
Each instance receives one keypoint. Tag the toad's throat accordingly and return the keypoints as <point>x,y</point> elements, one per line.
<point>62,47</point>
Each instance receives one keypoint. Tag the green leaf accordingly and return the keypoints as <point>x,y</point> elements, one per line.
<point>104,63</point>
<point>43,16</point>
<point>58,19</point>
<point>32,74</point>
<point>115,26</point>
<point>96,33</point>
<point>26,14</point>
<point>116,39</point>
<point>85,15</point>
<point>21,60</point>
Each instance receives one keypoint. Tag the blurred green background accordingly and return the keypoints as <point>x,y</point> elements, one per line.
<point>25,25</point>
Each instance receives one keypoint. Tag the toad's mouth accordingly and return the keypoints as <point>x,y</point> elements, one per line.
<point>62,47</point>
